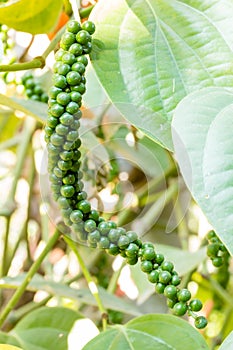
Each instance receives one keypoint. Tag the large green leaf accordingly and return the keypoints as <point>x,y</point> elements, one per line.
<point>46,328</point>
<point>228,343</point>
<point>149,54</point>
<point>161,332</point>
<point>110,301</point>
<point>6,338</point>
<point>202,136</point>
<point>31,16</point>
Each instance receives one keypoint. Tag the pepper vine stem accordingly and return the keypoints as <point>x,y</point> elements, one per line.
<point>91,284</point>
<point>37,62</point>
<point>32,271</point>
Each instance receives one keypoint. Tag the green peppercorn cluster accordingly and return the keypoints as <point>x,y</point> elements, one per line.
<point>216,250</point>
<point>62,137</point>
<point>33,89</point>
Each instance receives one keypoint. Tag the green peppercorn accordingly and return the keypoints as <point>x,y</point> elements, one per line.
<point>195,305</point>
<point>153,276</point>
<point>180,308</point>
<point>76,216</point>
<point>200,322</point>
<point>90,225</point>
<point>165,277</point>
<point>84,206</point>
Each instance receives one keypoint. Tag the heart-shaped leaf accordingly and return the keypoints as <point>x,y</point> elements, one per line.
<point>150,54</point>
<point>46,328</point>
<point>163,332</point>
<point>31,16</point>
<point>202,136</point>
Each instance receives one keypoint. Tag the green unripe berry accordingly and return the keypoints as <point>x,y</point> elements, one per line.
<point>175,281</point>
<point>59,81</point>
<point>132,236</point>
<point>56,140</point>
<point>64,165</point>
<point>90,225</point>
<point>195,305</point>
<point>87,48</point>
<point>56,110</point>
<point>76,49</point>
<point>69,179</point>
<point>76,216</point>
<point>159,287</point>
<point>103,227</point>
<point>132,260</point>
<point>170,292</point>
<point>148,253</point>
<point>73,27</point>
<point>38,90</point>
<point>84,206</point>
<point>211,234</point>
<point>113,235</point>
<point>59,54</point>
<point>103,243</point>
<point>180,308</point>
<point>167,266</point>
<point>83,37</point>
<point>68,58</point>
<point>165,277</point>
<point>123,242</point>
<point>53,149</point>
<point>68,38</point>
<point>63,202</point>
<point>73,78</point>
<point>218,261</point>
<point>113,249</point>
<point>54,91</point>
<point>44,97</point>
<point>58,172</point>
<point>29,83</point>
<point>94,236</point>
<point>48,130</point>
<point>131,250</point>
<point>159,258</point>
<point>146,266</point>
<point>82,59</point>
<point>67,191</point>
<point>81,88</point>
<point>184,295</point>
<point>78,67</point>
<point>66,119</point>
<point>200,322</point>
<point>76,96</point>
<point>94,215</point>
<point>153,276</point>
<point>72,135</point>
<point>89,27</point>
<point>212,249</point>
<point>63,98</point>
<point>62,130</point>
<point>72,108</point>
<point>82,195</point>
